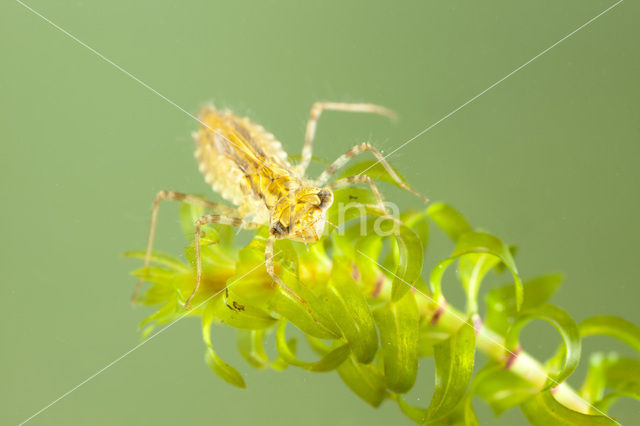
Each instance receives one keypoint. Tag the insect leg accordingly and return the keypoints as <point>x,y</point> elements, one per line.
<point>206,219</point>
<point>268,257</point>
<point>174,196</point>
<point>314,116</point>
<point>359,149</point>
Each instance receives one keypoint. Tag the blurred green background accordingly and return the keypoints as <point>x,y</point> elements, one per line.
<point>548,160</point>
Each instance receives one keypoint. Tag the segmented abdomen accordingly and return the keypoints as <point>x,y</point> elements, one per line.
<point>233,154</point>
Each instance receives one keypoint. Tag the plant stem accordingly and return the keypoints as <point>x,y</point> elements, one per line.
<point>492,344</point>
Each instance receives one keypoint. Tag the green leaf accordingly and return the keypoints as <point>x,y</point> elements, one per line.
<point>501,301</point>
<point>417,221</point>
<point>298,314</point>
<point>410,250</point>
<point>250,279</point>
<point>374,169</point>
<point>252,284</point>
<point>623,376</point>
<point>544,410</point>
<point>251,347</point>
<point>605,403</point>
<point>428,337</point>
<point>329,362</point>
<point>351,313</point>
<point>280,363</point>
<point>462,414</point>
<point>364,380</point>
<point>398,325</point>
<point>595,382</point>
<point>449,220</point>
<point>472,268</point>
<point>318,345</point>
<point>477,242</point>
<point>167,260</point>
<point>167,313</point>
<point>224,370</point>
<point>410,261</point>
<point>417,414</point>
<point>623,373</point>
<point>229,309</point>
<point>501,388</point>
<point>568,330</point>
<point>218,366</point>
<point>371,277</point>
<point>156,275</point>
<point>348,203</point>
<point>454,366</point>
<point>609,325</point>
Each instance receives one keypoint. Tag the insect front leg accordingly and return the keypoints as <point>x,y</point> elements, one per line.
<point>359,149</point>
<point>268,259</point>
<point>204,220</point>
<point>314,116</point>
<point>174,196</point>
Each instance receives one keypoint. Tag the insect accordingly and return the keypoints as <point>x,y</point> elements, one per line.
<point>247,166</point>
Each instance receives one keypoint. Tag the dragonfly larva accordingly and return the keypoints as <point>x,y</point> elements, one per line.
<point>247,166</point>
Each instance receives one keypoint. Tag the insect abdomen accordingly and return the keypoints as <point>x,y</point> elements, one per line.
<point>232,152</point>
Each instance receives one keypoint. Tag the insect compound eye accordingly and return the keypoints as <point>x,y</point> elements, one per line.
<point>278,229</point>
<point>326,198</point>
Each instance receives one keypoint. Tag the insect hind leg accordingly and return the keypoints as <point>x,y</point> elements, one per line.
<point>173,196</point>
<point>314,116</point>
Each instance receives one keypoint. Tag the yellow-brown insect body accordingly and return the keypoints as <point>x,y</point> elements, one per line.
<point>247,166</point>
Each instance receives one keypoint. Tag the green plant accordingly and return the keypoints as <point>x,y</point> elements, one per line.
<point>374,316</point>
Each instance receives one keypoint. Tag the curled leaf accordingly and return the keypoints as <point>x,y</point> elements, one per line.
<point>544,410</point>
<point>299,312</point>
<point>428,337</point>
<point>449,220</point>
<point>609,325</point>
<point>409,262</point>
<point>251,347</point>
<point>454,365</point>
<point>364,380</point>
<point>329,362</point>
<point>223,370</point>
<point>417,414</point>
<point>472,268</point>
<point>217,365</point>
<point>501,301</point>
<point>398,325</point>
<point>622,375</point>
<point>568,330</point>
<point>351,313</point>
<point>409,247</point>
<point>417,221</point>
<point>500,388</point>
<point>477,243</point>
